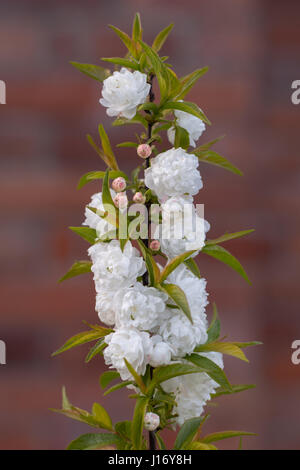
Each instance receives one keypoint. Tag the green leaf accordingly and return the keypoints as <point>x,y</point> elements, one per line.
<point>234,389</point>
<point>197,445</point>
<point>102,416</point>
<point>107,377</point>
<point>138,422</point>
<point>187,432</point>
<point>79,267</point>
<point>161,37</point>
<point>182,138</point>
<point>98,150</point>
<point>193,267</point>
<point>161,444</point>
<point>125,39</point>
<point>187,107</point>
<point>225,348</point>
<point>209,156</point>
<point>121,61</point>
<point>96,349</point>
<point>246,345</point>
<point>178,296</point>
<point>218,436</point>
<point>163,373</point>
<point>82,338</point>
<point>159,68</point>
<point>107,148</point>
<point>187,82</point>
<point>97,175</point>
<point>93,441</point>
<point>138,379</point>
<point>118,387</point>
<point>94,71</point>
<point>123,428</point>
<point>152,267</point>
<point>219,253</point>
<point>137,28</point>
<point>212,369</point>
<point>214,329</point>
<point>209,144</point>
<point>228,236</point>
<point>174,263</point>
<point>128,144</point>
<point>138,119</point>
<point>66,405</point>
<point>87,233</point>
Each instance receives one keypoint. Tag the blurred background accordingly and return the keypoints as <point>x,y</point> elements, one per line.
<point>252,48</point>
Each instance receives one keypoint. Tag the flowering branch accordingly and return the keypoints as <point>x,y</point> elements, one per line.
<point>157,340</point>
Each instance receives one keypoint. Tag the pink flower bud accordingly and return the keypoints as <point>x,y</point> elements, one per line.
<point>151,421</point>
<point>139,198</point>
<point>119,184</point>
<point>144,150</point>
<point>155,245</point>
<point>121,201</point>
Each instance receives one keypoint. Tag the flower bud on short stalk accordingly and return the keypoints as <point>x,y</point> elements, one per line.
<point>119,184</point>
<point>139,198</point>
<point>151,421</point>
<point>144,150</point>
<point>121,201</point>
<point>155,245</point>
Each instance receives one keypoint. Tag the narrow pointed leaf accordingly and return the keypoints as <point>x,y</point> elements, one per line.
<point>97,175</point>
<point>137,28</point>
<point>79,267</point>
<point>187,432</point>
<point>174,263</point>
<point>225,348</point>
<point>82,338</point>
<point>219,436</point>
<point>193,267</point>
<point>125,39</point>
<point>187,107</point>
<point>179,297</point>
<point>107,377</point>
<point>87,233</point>
<point>138,422</point>
<point>163,373</point>
<point>228,236</point>
<point>93,441</point>
<point>214,329</point>
<point>187,82</point>
<point>219,253</point>
<point>161,37</point>
<point>212,369</point>
<point>94,71</point>
<point>107,148</point>
<point>121,61</point>
<point>101,415</point>
<point>234,389</point>
<point>138,379</point>
<point>209,156</point>
<point>118,387</point>
<point>96,349</point>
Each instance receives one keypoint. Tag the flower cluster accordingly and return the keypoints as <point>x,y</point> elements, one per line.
<point>148,327</point>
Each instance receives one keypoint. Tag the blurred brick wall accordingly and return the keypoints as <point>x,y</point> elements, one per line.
<point>252,48</point>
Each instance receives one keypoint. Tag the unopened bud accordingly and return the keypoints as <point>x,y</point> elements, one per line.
<point>121,201</point>
<point>151,421</point>
<point>139,198</point>
<point>155,245</point>
<point>119,184</point>
<point>144,150</point>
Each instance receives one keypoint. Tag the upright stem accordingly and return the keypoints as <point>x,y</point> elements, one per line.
<point>152,441</point>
